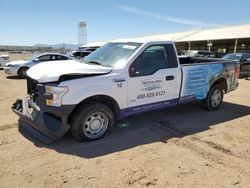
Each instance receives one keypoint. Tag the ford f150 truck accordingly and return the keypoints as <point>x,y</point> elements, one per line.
<point>118,80</point>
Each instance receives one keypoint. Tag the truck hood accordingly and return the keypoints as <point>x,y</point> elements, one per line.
<point>20,62</point>
<point>51,71</point>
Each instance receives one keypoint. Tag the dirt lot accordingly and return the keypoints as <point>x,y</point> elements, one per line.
<point>14,57</point>
<point>183,146</point>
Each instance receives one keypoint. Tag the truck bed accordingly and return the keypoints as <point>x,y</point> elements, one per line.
<point>184,60</point>
<point>199,74</point>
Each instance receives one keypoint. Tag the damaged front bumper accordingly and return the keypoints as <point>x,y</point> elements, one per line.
<point>43,126</point>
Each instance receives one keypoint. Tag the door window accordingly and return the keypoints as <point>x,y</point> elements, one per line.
<point>152,59</point>
<point>60,57</point>
<point>44,58</point>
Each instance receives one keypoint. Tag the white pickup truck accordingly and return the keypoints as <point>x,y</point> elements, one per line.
<point>117,80</point>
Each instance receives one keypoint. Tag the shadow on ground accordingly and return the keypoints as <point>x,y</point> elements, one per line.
<point>15,78</point>
<point>157,126</point>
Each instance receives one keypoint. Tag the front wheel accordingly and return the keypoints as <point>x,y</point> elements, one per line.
<point>22,72</point>
<point>214,98</point>
<point>91,121</point>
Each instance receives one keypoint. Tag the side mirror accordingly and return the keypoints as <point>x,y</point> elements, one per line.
<point>36,60</point>
<point>133,72</point>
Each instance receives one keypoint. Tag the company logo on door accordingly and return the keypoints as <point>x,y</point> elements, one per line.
<point>151,84</point>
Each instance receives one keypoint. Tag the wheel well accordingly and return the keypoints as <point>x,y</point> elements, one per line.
<point>21,69</point>
<point>104,99</point>
<point>222,82</point>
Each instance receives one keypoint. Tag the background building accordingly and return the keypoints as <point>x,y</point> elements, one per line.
<point>229,39</point>
<point>220,40</point>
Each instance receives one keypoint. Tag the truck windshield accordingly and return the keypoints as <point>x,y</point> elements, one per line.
<point>112,53</point>
<point>232,57</point>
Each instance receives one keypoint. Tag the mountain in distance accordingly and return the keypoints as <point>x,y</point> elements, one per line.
<point>66,46</point>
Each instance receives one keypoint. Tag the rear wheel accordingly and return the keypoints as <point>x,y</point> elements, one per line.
<point>214,98</point>
<point>22,72</point>
<point>91,121</point>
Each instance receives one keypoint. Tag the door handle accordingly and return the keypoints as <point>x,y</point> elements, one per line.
<point>168,78</point>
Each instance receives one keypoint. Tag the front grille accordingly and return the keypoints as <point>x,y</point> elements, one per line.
<point>32,88</point>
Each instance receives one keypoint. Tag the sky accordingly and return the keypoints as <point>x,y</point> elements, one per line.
<point>30,22</point>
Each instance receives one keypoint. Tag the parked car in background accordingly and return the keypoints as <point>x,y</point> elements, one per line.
<point>3,60</point>
<point>89,48</point>
<point>243,59</point>
<point>198,53</point>
<point>79,54</point>
<point>19,68</point>
<point>85,50</point>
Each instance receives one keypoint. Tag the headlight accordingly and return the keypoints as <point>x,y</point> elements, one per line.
<point>57,93</point>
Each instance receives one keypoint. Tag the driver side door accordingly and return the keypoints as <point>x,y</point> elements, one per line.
<point>153,78</point>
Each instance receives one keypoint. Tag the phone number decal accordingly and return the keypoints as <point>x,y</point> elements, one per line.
<point>151,94</point>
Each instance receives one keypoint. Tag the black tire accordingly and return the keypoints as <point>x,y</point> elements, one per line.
<point>22,72</point>
<point>214,98</point>
<point>91,116</point>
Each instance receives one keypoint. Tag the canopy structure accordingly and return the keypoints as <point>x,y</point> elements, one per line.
<point>220,33</point>
<point>229,39</point>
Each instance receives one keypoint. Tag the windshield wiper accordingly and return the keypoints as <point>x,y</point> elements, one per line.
<point>94,62</point>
